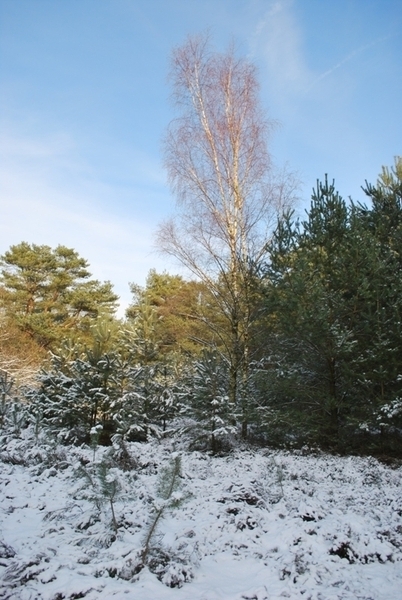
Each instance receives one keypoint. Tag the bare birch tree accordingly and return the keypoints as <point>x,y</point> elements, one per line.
<point>228,197</point>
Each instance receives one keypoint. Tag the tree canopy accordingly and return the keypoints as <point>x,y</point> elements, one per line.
<point>334,293</point>
<point>48,292</point>
<point>173,304</point>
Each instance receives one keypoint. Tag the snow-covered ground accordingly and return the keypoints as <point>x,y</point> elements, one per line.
<point>252,525</point>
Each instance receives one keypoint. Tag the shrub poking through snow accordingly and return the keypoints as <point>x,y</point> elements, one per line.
<point>168,496</point>
<point>171,570</point>
<point>101,484</point>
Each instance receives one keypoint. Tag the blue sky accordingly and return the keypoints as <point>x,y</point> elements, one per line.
<point>84,104</point>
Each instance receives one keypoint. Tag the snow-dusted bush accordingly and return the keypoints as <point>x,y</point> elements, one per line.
<point>168,497</point>
<point>208,402</point>
<point>79,394</point>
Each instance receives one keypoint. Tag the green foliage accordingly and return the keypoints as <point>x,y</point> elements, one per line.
<point>141,337</point>
<point>311,339</point>
<point>174,304</point>
<point>110,385</point>
<point>150,405</point>
<point>75,396</point>
<point>169,497</point>
<point>48,294</point>
<point>102,484</point>
<point>208,401</point>
<point>334,294</point>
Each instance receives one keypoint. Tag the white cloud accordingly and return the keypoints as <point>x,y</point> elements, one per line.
<point>278,39</point>
<point>50,196</point>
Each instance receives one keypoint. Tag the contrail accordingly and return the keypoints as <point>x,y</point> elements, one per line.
<point>347,58</point>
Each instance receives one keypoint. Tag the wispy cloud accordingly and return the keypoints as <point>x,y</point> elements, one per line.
<point>278,39</point>
<point>49,195</point>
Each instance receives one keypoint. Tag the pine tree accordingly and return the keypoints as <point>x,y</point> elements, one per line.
<point>333,288</point>
<point>168,497</point>
<point>311,303</point>
<point>47,292</point>
<point>208,401</point>
<point>382,346</point>
<point>178,324</point>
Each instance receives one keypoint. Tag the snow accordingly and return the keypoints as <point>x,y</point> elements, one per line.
<point>256,524</point>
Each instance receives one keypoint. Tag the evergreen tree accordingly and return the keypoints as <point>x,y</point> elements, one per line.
<point>208,400</point>
<point>333,289</point>
<point>179,324</point>
<point>47,292</point>
<point>312,300</point>
<point>77,394</point>
<point>115,384</point>
<point>381,344</point>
